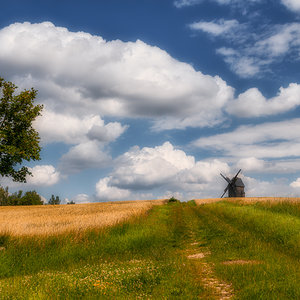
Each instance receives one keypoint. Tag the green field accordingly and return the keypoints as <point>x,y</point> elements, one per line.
<point>220,250</point>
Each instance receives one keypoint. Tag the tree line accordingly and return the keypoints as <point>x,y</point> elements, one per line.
<point>27,198</point>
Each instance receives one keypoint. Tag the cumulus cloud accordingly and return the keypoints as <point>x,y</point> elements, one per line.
<point>158,169</point>
<point>276,188</point>
<point>89,134</point>
<point>72,129</point>
<point>106,192</point>
<point>253,104</point>
<point>251,164</point>
<point>215,28</point>
<point>167,171</point>
<point>81,198</point>
<point>296,183</point>
<point>42,175</point>
<point>84,156</point>
<point>268,140</point>
<point>142,168</point>
<point>293,5</point>
<point>80,74</point>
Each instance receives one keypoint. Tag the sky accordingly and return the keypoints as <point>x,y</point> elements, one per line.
<point>148,99</point>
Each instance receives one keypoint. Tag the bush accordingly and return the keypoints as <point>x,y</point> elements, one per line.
<point>173,200</point>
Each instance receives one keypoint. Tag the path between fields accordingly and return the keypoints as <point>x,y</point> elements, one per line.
<point>197,254</point>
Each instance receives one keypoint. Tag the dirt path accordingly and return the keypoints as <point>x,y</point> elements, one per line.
<point>198,254</point>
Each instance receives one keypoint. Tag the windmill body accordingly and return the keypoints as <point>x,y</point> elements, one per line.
<point>235,187</point>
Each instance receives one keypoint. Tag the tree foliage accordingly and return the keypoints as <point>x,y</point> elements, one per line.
<point>54,200</point>
<point>17,198</point>
<point>18,139</point>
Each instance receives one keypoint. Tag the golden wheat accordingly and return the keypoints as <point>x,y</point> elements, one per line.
<point>55,219</point>
<point>247,200</point>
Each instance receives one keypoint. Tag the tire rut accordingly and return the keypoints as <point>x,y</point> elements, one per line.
<point>198,255</point>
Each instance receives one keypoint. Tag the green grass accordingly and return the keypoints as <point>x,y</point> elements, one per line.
<point>262,233</point>
<point>132,260</point>
<point>146,257</point>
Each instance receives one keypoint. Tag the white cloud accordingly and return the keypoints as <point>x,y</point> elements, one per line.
<point>240,63</point>
<point>79,75</point>
<point>84,156</point>
<point>72,129</point>
<point>184,3</point>
<point>293,5</point>
<point>258,51</point>
<point>81,198</point>
<point>89,134</point>
<point>142,168</point>
<point>159,169</point>
<point>272,166</point>
<point>296,183</point>
<point>215,28</point>
<point>253,104</point>
<point>268,140</point>
<point>276,188</point>
<point>106,192</point>
<point>251,164</point>
<point>42,175</point>
<point>284,39</point>
<point>165,168</point>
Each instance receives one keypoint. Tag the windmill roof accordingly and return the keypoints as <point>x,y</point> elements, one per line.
<point>239,182</point>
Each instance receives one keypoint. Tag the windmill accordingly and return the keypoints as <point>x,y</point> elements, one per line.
<point>235,186</point>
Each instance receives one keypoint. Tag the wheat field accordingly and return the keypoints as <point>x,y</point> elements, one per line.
<point>249,200</point>
<point>56,219</point>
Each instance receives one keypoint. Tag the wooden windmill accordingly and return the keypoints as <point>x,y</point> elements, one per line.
<point>235,186</point>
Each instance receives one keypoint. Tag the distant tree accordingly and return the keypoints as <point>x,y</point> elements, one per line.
<point>54,200</point>
<point>4,196</point>
<point>31,198</point>
<point>17,198</point>
<point>71,202</point>
<point>18,139</point>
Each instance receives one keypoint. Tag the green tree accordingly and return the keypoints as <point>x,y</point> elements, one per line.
<point>54,200</point>
<point>15,198</point>
<point>18,139</point>
<point>4,196</point>
<point>31,198</point>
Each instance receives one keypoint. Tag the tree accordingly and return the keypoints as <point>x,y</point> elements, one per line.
<point>4,194</point>
<point>31,198</point>
<point>18,139</point>
<point>54,200</point>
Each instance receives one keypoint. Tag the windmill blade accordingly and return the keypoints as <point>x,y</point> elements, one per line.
<point>225,191</point>
<point>228,180</point>
<point>235,177</point>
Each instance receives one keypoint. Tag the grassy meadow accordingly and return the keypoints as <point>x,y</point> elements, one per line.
<point>231,249</point>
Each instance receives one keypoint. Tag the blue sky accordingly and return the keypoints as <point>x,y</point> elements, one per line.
<point>148,99</point>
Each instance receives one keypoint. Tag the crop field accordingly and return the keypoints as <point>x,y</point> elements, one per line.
<point>55,219</point>
<point>201,249</point>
